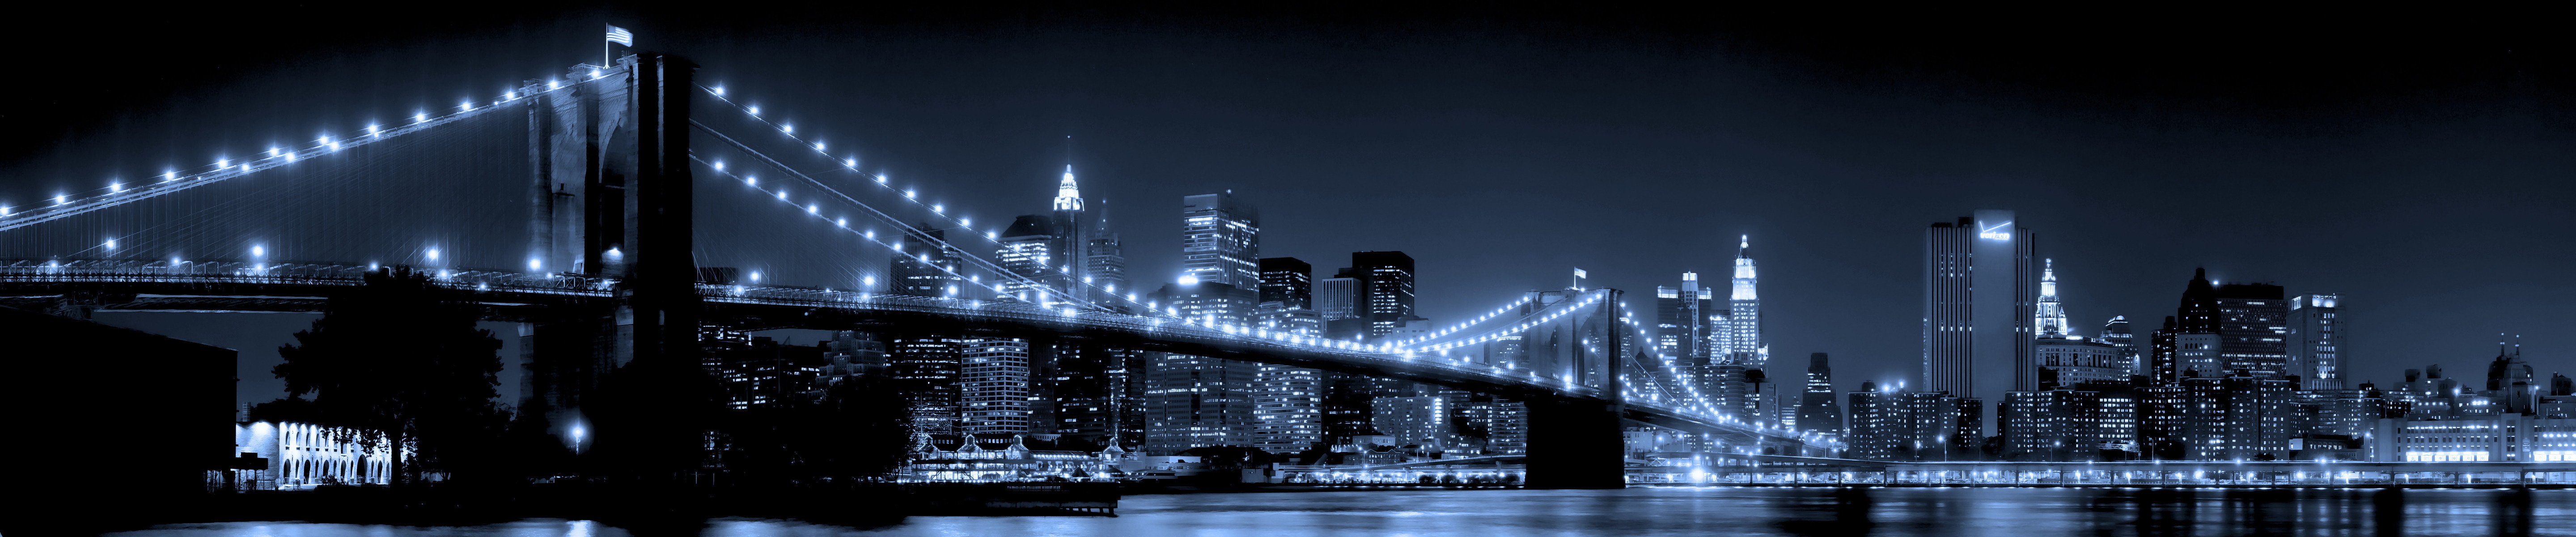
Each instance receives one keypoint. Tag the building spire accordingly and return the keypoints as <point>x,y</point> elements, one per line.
<point>2051,315</point>
<point>1068,197</point>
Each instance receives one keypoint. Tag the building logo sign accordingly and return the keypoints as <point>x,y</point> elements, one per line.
<point>1991,233</point>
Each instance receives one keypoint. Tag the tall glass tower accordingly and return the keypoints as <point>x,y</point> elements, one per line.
<point>1071,253</point>
<point>1744,313</point>
<point>1979,293</point>
<point>1220,241</point>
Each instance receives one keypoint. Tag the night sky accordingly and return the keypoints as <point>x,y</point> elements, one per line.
<point>2418,165</point>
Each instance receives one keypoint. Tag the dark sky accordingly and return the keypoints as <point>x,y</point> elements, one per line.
<point>2418,164</point>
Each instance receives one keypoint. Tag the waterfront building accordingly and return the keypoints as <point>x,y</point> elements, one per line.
<point>994,387</point>
<point>2164,412</point>
<point>1979,287</point>
<point>2499,437</point>
<point>1817,410</point>
<point>302,455</point>
<point>1287,408</point>
<point>2052,425</point>
<point>1938,426</point>
<point>2318,336</point>
<point>1008,458</point>
<point>1220,240</point>
<point>1872,433</point>
<point>2237,417</point>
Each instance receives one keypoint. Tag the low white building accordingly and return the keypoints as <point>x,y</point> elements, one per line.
<point>301,456</point>
<point>2474,438</point>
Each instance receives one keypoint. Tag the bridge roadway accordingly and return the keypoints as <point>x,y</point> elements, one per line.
<point>236,286</point>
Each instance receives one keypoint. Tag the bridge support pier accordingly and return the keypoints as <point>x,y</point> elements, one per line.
<point>1576,444</point>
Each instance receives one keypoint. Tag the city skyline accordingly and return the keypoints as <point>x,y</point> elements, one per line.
<point>1838,278</point>
<point>1493,270</point>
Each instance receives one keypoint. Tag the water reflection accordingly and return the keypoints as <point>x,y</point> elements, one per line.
<point>1647,511</point>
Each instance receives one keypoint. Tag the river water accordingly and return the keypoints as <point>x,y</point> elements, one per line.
<point>1651,511</point>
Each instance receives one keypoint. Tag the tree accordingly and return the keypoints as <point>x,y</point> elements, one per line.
<point>859,430</point>
<point>401,356</point>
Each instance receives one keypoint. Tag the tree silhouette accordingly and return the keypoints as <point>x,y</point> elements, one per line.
<point>402,356</point>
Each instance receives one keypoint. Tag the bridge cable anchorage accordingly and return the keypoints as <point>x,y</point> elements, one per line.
<point>851,165</point>
<point>225,168</point>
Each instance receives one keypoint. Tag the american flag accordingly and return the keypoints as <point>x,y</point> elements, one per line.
<point>1578,273</point>
<point>620,36</point>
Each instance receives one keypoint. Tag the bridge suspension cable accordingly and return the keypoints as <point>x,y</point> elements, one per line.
<point>893,243</point>
<point>850,164</point>
<point>118,192</point>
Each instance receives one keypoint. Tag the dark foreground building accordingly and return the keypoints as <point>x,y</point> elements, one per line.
<point>149,429</point>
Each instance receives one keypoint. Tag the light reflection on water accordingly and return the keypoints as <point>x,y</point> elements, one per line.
<point>1651,511</point>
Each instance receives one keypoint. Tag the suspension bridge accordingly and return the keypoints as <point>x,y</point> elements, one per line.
<point>593,206</point>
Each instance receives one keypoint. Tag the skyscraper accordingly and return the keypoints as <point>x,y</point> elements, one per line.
<point>1194,401</point>
<point>1072,242</point>
<point>2254,329</point>
<point>2116,332</point>
<point>1288,281</point>
<point>1338,297</point>
<point>2052,315</point>
<point>1287,408</point>
<point>1682,317</point>
<point>1744,312</point>
<point>1386,290</point>
<point>1106,263</point>
<point>1817,410</point>
<point>1979,290</point>
<point>2318,336</point>
<point>995,387</point>
<point>2190,339</point>
<point>1287,400</point>
<point>1220,240</point>
<point>926,266</point>
<point>1030,251</point>
<point>926,371</point>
